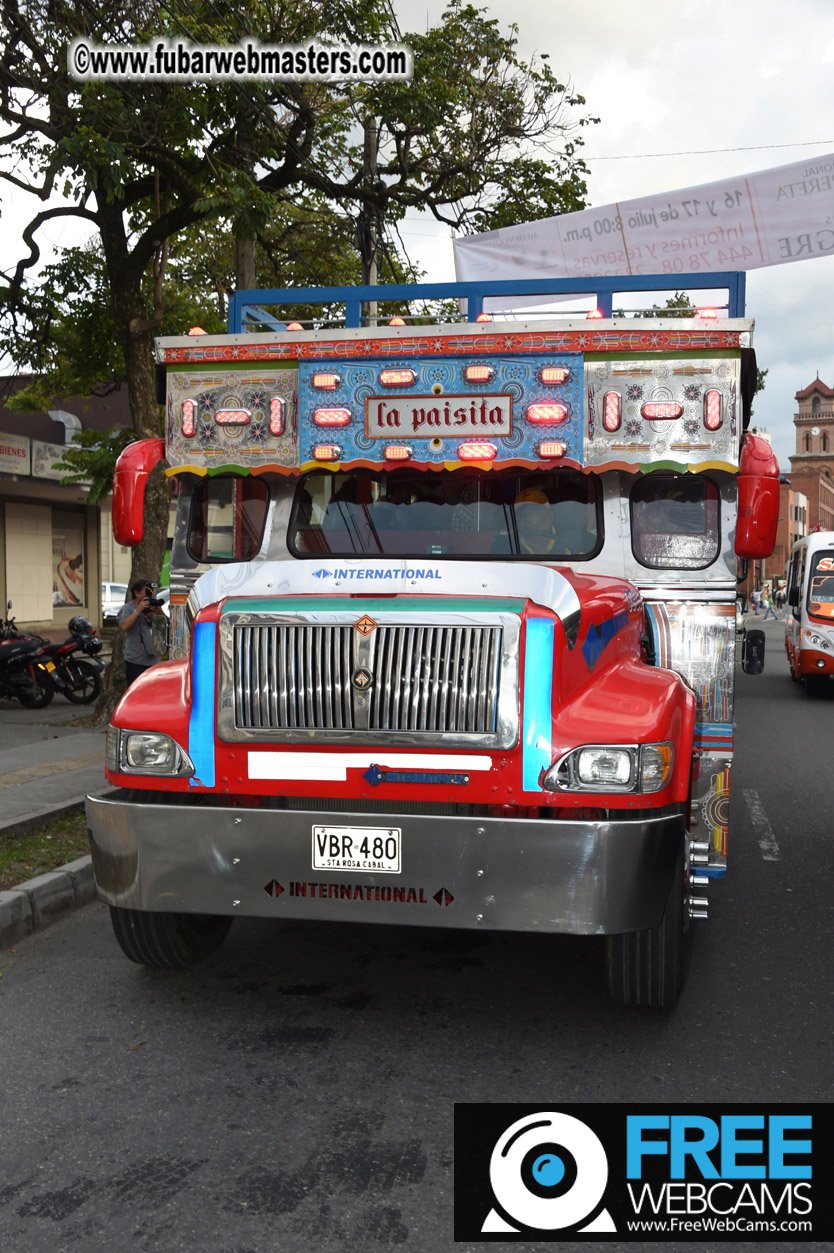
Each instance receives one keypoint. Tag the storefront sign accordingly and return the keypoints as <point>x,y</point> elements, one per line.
<point>44,457</point>
<point>14,454</point>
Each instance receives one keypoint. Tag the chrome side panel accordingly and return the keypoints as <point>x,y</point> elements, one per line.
<point>578,878</point>
<point>699,641</point>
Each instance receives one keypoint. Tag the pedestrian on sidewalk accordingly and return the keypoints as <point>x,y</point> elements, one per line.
<point>767,601</point>
<point>756,598</point>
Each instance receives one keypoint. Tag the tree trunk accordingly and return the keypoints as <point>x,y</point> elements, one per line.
<point>137,346</point>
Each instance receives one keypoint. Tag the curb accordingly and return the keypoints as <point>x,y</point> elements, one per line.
<point>36,903</point>
<point>23,826</point>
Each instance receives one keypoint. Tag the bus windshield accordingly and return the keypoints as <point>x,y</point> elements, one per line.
<point>412,513</point>
<point>821,587</point>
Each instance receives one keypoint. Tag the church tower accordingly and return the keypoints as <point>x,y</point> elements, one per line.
<point>812,465</point>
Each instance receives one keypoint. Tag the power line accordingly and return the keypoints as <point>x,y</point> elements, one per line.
<point>703,152</point>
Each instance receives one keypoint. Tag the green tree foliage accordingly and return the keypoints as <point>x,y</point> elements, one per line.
<point>159,171</point>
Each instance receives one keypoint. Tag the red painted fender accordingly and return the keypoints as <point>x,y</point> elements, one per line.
<point>131,474</point>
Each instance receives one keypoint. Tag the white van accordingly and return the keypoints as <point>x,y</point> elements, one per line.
<point>809,622</point>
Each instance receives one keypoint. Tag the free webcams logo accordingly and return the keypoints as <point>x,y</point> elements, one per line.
<point>673,1173</point>
<point>548,1172</point>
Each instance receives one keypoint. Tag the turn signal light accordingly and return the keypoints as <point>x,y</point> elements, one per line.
<point>551,413</point>
<point>397,452</point>
<point>331,417</point>
<point>661,409</point>
<point>189,418</point>
<point>477,452</point>
<point>550,448</point>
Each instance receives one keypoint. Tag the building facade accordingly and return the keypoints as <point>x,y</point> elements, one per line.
<point>53,547</point>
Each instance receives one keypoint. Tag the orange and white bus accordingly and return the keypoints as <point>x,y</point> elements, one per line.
<point>809,621</point>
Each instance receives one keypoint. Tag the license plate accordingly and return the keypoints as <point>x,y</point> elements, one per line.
<point>363,849</point>
<point>48,665</point>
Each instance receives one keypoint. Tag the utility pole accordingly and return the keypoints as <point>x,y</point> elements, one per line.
<point>369,217</point>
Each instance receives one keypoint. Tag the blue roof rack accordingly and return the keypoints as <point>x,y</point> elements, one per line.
<point>248,309</point>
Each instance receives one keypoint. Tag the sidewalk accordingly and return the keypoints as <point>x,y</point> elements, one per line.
<point>47,767</point>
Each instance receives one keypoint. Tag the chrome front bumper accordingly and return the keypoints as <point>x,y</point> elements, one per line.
<point>499,874</point>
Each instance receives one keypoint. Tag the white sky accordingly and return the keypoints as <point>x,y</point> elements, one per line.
<point>672,76</point>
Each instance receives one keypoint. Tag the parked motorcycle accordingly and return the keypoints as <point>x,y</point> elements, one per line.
<point>25,671</point>
<point>77,678</point>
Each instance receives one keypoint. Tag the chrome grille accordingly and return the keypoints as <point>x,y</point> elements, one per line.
<point>432,679</point>
<point>296,676</point>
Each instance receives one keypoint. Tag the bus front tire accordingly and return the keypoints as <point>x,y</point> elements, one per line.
<point>649,967</point>
<point>167,941</point>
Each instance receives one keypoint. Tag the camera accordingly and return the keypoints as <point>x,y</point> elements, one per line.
<point>154,602</point>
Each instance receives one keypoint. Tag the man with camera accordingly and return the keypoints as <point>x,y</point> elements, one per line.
<point>135,620</point>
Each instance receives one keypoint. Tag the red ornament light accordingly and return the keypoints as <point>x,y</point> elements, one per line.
<point>611,412</point>
<point>479,373</point>
<point>661,409</point>
<point>712,410</point>
<point>189,418</point>
<point>331,417</point>
<point>477,452</point>
<point>276,415</point>
<point>550,375</point>
<point>550,413</point>
<point>398,377</point>
<point>327,452</point>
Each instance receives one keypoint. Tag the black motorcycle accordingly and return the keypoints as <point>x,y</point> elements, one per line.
<point>25,671</point>
<point>77,678</point>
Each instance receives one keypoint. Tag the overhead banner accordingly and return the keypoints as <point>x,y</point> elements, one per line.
<point>769,218</point>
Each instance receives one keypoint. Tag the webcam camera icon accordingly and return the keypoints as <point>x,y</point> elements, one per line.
<point>548,1172</point>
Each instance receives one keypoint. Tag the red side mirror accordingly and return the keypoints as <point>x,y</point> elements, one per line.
<point>758,498</point>
<point>130,476</point>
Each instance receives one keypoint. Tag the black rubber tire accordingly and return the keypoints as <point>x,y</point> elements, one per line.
<point>167,941</point>
<point>40,694</point>
<point>649,967</point>
<point>83,682</point>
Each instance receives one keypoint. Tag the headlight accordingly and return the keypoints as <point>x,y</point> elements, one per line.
<point>612,768</point>
<point>145,752</point>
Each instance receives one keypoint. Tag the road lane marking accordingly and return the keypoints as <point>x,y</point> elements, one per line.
<point>15,778</point>
<point>762,829</point>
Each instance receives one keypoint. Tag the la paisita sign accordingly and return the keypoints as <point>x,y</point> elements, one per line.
<point>770,218</point>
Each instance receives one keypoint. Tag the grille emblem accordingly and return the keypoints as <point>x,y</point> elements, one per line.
<point>365,625</point>
<point>362,679</point>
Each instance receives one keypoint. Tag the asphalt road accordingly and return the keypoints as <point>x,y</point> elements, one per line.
<point>297,1090</point>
